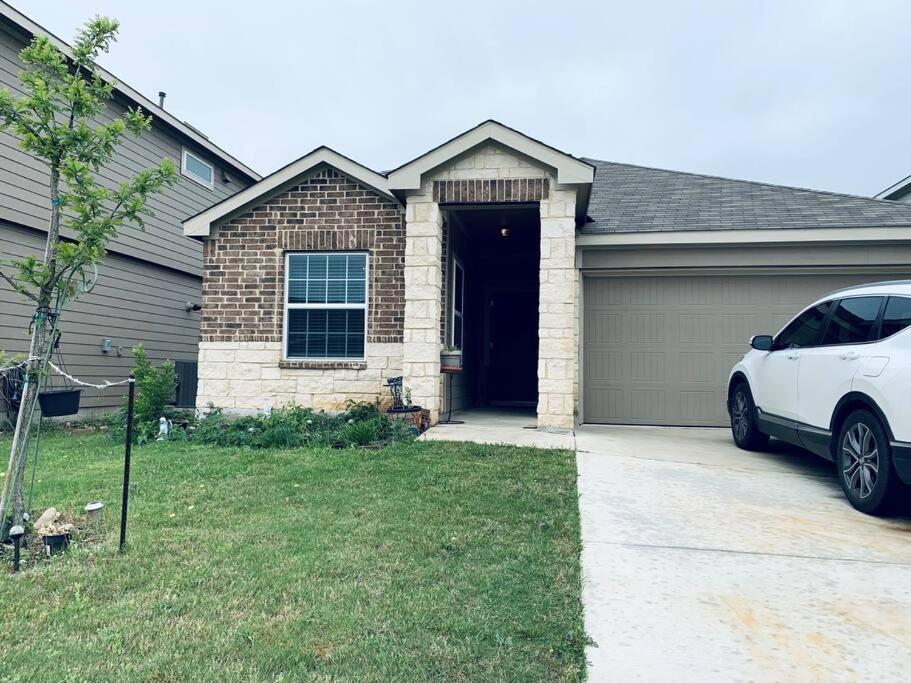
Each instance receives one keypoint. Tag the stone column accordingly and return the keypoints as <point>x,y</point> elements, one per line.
<point>423,290</point>
<point>557,311</point>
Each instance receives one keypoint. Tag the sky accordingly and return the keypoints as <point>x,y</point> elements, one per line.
<point>796,92</point>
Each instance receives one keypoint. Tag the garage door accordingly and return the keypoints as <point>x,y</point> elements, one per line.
<point>658,349</point>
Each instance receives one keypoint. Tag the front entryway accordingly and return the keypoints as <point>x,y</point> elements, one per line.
<point>658,348</point>
<point>490,291</point>
<point>512,342</point>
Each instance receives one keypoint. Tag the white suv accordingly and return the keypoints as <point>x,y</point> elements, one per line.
<point>836,381</point>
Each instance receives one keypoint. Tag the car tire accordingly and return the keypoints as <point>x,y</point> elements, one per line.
<point>743,420</point>
<point>864,459</point>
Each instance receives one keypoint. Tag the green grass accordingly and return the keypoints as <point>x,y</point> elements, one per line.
<point>421,561</point>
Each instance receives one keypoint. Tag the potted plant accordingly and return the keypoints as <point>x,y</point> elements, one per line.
<point>59,402</point>
<point>402,407</point>
<point>451,358</point>
<point>56,537</point>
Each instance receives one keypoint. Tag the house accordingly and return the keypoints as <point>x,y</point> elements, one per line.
<point>150,278</point>
<point>595,291</point>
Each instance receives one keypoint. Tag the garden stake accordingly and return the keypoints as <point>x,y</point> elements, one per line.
<point>126,461</point>
<point>16,534</point>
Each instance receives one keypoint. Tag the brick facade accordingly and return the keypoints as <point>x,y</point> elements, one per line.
<point>244,263</point>
<point>491,190</point>
<point>241,352</point>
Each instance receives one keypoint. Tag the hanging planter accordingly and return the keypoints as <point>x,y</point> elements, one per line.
<point>59,402</point>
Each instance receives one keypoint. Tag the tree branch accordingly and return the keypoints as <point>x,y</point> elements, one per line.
<point>17,287</point>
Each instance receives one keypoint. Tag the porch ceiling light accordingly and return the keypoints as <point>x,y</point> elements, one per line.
<point>504,232</point>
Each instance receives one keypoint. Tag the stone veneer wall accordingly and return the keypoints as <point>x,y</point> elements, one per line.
<point>241,364</point>
<point>525,181</point>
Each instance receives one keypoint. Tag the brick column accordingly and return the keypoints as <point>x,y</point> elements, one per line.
<point>557,311</point>
<point>423,291</point>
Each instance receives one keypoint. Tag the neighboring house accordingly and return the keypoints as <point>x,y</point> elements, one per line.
<point>596,291</point>
<point>899,192</point>
<point>148,278</point>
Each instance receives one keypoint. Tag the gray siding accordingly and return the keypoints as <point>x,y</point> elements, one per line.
<point>24,194</point>
<point>133,302</point>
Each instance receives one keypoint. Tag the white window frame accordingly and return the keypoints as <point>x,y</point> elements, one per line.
<point>456,264</point>
<point>184,171</point>
<point>288,306</point>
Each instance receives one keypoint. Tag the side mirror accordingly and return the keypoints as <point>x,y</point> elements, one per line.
<point>761,342</point>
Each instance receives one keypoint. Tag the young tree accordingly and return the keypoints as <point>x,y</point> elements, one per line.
<point>56,120</point>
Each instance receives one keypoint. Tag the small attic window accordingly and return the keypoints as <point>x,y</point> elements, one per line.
<point>196,169</point>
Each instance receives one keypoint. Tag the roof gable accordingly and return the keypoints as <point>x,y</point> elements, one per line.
<point>200,225</point>
<point>570,170</point>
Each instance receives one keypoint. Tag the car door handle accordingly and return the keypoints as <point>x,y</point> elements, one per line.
<point>793,356</point>
<point>850,355</point>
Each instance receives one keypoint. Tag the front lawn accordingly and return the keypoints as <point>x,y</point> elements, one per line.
<point>421,561</point>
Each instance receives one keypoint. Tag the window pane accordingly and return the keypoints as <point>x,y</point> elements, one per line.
<point>198,168</point>
<point>338,267</point>
<point>897,316</point>
<point>803,330</point>
<point>853,321</point>
<point>357,266</point>
<point>297,321</point>
<point>297,339</point>
<point>297,291</point>
<point>317,267</point>
<point>314,333</point>
<point>297,266</point>
<point>335,292</point>
<point>297,346</point>
<point>316,345</point>
<point>458,287</point>
<point>316,292</point>
<point>317,320</point>
<point>356,292</point>
<point>338,321</point>
<point>457,332</point>
<point>356,322</point>
<point>355,346</point>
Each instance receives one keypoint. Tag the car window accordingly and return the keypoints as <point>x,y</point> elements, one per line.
<point>897,316</point>
<point>854,321</point>
<point>804,329</point>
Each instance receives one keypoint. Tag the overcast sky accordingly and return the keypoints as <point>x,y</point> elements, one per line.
<point>813,94</point>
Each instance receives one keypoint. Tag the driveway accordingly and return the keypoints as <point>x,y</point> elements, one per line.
<point>703,562</point>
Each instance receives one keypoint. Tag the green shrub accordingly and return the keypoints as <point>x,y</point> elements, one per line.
<point>358,433</point>
<point>293,426</point>
<point>155,387</point>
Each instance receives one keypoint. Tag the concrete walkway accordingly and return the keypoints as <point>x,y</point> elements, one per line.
<point>499,426</point>
<point>702,562</point>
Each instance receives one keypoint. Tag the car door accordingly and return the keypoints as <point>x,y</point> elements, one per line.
<point>775,386</point>
<point>826,371</point>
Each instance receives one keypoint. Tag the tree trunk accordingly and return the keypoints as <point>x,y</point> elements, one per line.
<point>14,481</point>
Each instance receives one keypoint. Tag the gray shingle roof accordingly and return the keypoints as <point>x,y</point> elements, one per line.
<point>627,198</point>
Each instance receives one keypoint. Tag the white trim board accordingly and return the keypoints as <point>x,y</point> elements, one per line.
<point>723,237</point>
<point>569,169</point>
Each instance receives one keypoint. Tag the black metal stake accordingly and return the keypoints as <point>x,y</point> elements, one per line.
<point>16,533</point>
<point>126,461</point>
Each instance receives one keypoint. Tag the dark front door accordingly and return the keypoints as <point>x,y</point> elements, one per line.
<point>512,372</point>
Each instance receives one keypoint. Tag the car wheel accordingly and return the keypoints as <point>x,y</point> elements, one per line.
<point>743,421</point>
<point>864,461</point>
